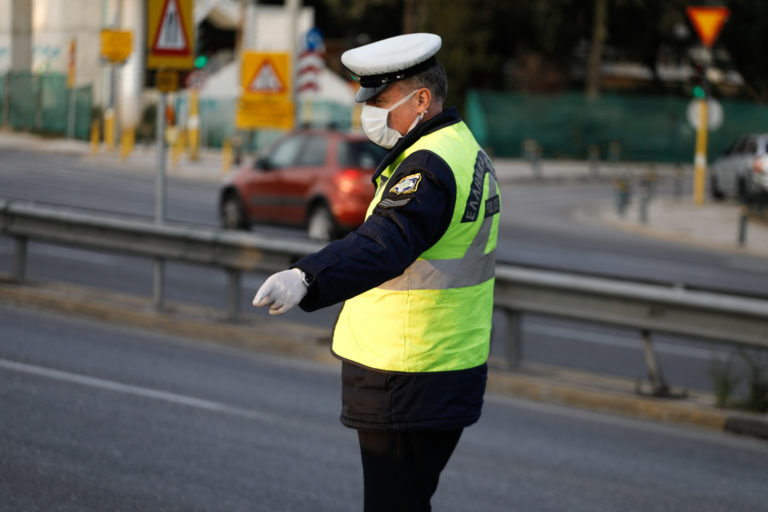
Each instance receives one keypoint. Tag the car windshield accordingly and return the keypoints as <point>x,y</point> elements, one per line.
<point>361,153</point>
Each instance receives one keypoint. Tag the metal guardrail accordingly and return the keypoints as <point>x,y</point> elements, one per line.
<point>649,308</point>
<point>236,252</point>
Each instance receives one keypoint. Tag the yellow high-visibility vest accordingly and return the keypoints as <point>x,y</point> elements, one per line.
<point>435,316</point>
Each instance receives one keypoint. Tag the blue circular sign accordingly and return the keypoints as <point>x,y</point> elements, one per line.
<point>314,39</point>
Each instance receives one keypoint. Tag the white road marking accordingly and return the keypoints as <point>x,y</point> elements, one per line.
<point>140,391</point>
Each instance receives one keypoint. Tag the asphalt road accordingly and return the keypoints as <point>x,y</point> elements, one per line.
<point>96,417</point>
<point>538,229</point>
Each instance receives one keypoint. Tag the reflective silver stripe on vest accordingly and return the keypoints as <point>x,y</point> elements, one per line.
<point>474,268</point>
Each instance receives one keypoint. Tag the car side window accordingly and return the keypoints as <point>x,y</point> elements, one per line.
<point>739,147</point>
<point>314,152</point>
<point>286,152</point>
<point>362,154</point>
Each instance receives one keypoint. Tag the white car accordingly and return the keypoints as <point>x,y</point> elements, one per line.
<point>742,170</point>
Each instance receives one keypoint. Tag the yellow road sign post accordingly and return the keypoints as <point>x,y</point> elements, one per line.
<point>700,158</point>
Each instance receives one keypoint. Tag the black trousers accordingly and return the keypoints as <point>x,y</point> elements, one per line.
<point>401,469</point>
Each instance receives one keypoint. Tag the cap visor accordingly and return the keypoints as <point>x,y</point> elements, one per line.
<point>366,93</point>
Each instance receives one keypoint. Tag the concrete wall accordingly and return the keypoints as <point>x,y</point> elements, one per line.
<point>15,35</point>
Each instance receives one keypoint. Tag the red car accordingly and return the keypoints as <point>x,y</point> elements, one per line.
<point>320,180</point>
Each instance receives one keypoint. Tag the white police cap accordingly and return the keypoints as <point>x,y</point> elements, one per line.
<point>379,64</point>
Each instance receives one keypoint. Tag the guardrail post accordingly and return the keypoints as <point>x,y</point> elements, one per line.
<point>658,384</point>
<point>233,293</point>
<point>20,258</point>
<point>513,346</point>
<point>158,284</point>
<point>743,220</point>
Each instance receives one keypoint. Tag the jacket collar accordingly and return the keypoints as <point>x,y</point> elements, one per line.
<point>445,118</point>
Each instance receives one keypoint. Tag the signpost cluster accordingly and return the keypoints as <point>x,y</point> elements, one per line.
<point>170,51</point>
<point>708,21</point>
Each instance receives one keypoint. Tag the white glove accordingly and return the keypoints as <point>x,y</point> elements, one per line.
<point>281,291</point>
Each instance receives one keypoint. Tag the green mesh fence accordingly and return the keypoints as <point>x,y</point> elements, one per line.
<point>41,103</point>
<point>23,100</point>
<point>2,100</point>
<point>630,127</point>
<point>54,104</point>
<point>83,108</point>
<point>217,121</point>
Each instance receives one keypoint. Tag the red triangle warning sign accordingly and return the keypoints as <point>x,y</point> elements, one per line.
<point>266,80</point>
<point>708,21</point>
<point>171,34</point>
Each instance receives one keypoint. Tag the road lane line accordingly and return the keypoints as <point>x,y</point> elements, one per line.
<point>139,391</point>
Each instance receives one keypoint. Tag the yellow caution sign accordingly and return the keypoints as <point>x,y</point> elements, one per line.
<point>264,113</point>
<point>116,45</point>
<point>266,101</point>
<point>167,81</point>
<point>170,34</point>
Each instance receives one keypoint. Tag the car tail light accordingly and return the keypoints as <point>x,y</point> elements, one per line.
<point>351,180</point>
<point>760,164</point>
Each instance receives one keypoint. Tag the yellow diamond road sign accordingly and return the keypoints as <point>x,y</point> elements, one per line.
<point>266,74</point>
<point>170,34</point>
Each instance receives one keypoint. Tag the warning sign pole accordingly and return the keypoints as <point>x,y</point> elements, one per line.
<point>700,158</point>
<point>708,21</point>
<point>158,281</point>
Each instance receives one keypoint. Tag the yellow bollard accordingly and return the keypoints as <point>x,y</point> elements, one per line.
<point>700,160</point>
<point>177,148</point>
<point>226,156</point>
<point>356,111</point>
<point>95,125</point>
<point>126,143</point>
<point>194,126</point>
<point>109,129</point>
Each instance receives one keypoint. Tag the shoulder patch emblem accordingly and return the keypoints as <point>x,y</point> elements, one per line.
<point>407,185</point>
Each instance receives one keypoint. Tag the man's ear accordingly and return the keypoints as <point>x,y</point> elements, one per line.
<point>424,97</point>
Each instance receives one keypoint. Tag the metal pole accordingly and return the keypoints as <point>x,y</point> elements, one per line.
<point>513,346</point>
<point>743,218</point>
<point>72,112</point>
<point>20,259</point>
<point>159,268</point>
<point>233,293</point>
<point>658,385</point>
<point>293,7</point>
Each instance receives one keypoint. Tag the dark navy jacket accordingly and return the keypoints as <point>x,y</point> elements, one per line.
<point>393,237</point>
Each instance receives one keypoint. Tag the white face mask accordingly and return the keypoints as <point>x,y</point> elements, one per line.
<point>374,120</point>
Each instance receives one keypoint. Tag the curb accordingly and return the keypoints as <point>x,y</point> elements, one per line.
<point>536,383</point>
<point>604,214</point>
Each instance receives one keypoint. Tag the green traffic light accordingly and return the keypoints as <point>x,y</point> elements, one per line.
<point>698,92</point>
<point>201,61</point>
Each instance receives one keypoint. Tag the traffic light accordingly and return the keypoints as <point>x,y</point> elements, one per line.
<point>699,85</point>
<point>201,61</point>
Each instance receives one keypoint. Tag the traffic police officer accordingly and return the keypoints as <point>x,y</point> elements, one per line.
<point>417,277</point>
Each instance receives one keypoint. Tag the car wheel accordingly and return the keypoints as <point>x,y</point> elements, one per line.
<point>715,190</point>
<point>320,225</point>
<point>232,213</point>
